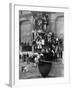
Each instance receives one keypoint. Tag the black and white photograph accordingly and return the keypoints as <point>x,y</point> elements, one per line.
<point>41,44</point>
<point>36,44</point>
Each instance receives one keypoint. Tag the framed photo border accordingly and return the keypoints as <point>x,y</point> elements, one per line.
<point>12,42</point>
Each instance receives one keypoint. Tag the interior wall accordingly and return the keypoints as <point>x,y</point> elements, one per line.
<point>60,26</point>
<point>57,23</point>
<point>26,29</point>
<point>26,26</point>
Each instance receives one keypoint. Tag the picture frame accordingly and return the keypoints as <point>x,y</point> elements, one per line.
<point>14,46</point>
